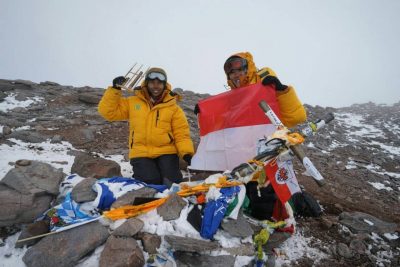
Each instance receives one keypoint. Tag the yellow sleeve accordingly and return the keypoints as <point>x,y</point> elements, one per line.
<point>112,106</point>
<point>181,132</point>
<point>291,109</point>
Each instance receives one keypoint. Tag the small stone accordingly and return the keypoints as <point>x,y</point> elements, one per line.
<point>344,251</point>
<point>6,130</point>
<point>23,162</point>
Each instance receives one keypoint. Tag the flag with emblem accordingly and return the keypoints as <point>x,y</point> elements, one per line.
<point>283,179</point>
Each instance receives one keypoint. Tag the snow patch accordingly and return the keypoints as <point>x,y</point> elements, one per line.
<point>10,102</point>
<point>296,247</point>
<point>11,256</point>
<point>53,154</point>
<point>380,186</point>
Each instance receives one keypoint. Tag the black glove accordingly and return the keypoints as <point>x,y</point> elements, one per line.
<point>273,80</point>
<point>187,158</point>
<point>196,109</point>
<point>117,82</point>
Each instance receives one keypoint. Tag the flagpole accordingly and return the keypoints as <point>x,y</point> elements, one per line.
<point>59,230</point>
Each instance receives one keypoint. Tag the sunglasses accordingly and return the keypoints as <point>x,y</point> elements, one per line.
<point>156,75</point>
<point>235,63</point>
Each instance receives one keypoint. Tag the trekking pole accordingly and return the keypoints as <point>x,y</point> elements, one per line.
<point>297,149</point>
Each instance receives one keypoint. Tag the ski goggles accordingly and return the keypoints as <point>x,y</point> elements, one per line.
<point>156,75</point>
<point>235,63</point>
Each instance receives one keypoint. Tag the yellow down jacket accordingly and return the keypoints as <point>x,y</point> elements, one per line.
<point>153,130</point>
<point>291,109</point>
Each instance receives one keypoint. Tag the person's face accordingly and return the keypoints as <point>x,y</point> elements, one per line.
<point>236,75</point>
<point>155,87</point>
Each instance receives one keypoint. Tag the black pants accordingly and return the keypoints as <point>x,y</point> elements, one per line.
<point>161,170</point>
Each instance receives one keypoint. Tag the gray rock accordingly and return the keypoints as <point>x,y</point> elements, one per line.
<point>23,162</point>
<point>246,249</point>
<point>28,83</point>
<point>171,209</point>
<point>276,239</point>
<point>2,96</point>
<point>343,251</point>
<point>28,136</point>
<point>48,83</point>
<point>129,228</point>
<point>6,85</point>
<point>83,191</point>
<point>358,246</point>
<point>121,252</point>
<point>150,242</point>
<point>19,110</point>
<point>357,223</point>
<point>66,248</point>
<point>36,178</point>
<point>190,244</point>
<point>21,208</point>
<point>86,135</point>
<point>88,166</point>
<point>89,98</point>
<point>33,229</point>
<point>237,228</point>
<point>190,259</point>
<point>327,222</point>
<point>56,139</point>
<point>6,130</point>
<point>128,198</point>
<point>11,122</point>
<point>27,191</point>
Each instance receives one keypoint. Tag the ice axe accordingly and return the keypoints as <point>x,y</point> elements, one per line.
<point>297,149</point>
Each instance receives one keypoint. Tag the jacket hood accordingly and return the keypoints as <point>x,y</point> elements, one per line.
<point>251,69</point>
<point>156,69</point>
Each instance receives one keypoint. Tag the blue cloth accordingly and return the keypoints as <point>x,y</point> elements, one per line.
<point>70,212</point>
<point>128,181</point>
<point>67,213</point>
<point>105,197</point>
<point>215,210</point>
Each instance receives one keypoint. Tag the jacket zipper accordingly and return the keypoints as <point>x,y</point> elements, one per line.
<point>157,116</point>
<point>132,139</point>
<point>170,138</point>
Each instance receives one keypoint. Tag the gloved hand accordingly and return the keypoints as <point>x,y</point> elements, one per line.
<point>269,79</point>
<point>188,159</point>
<point>117,82</point>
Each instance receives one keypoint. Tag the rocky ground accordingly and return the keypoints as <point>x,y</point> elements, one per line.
<point>358,154</point>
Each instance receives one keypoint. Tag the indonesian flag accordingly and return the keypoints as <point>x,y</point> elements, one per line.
<point>231,123</point>
<point>283,179</point>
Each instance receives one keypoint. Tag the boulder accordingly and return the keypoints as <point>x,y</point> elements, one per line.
<point>171,209</point>
<point>88,166</point>
<point>83,191</point>
<point>66,248</point>
<point>129,228</point>
<point>190,244</point>
<point>121,252</point>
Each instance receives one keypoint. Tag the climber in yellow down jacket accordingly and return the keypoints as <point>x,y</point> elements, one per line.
<point>158,129</point>
<point>241,71</point>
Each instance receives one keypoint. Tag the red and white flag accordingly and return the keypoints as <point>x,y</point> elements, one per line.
<point>230,125</point>
<point>283,179</point>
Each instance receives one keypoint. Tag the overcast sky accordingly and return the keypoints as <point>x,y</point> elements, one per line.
<point>334,52</point>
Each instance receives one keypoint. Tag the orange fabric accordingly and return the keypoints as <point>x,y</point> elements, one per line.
<point>129,211</point>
